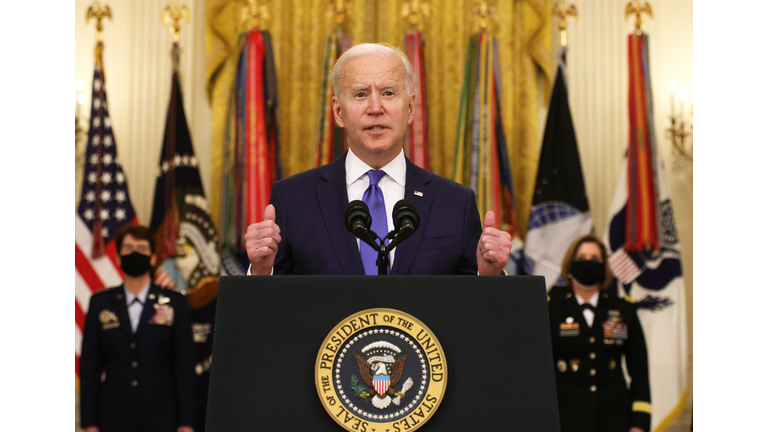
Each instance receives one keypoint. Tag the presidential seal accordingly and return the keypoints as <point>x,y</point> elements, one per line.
<point>380,370</point>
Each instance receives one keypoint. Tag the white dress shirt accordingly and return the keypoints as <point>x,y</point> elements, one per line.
<point>589,316</point>
<point>392,187</point>
<point>135,308</point>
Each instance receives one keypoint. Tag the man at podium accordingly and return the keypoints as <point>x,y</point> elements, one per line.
<point>304,231</point>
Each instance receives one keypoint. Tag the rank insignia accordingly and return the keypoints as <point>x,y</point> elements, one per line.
<point>108,320</point>
<point>163,299</point>
<point>562,366</point>
<point>163,315</point>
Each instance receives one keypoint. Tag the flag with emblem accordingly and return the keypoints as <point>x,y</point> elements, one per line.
<point>644,249</point>
<point>331,142</point>
<point>104,207</point>
<point>560,210</point>
<point>481,158</point>
<point>187,245</point>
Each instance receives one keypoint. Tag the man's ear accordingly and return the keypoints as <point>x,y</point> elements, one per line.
<point>412,108</point>
<point>336,104</point>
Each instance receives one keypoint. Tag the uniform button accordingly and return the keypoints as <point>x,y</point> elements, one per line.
<point>591,339</point>
<point>592,356</point>
<point>593,389</point>
<point>135,364</point>
<point>136,383</point>
<point>592,372</point>
<point>133,345</point>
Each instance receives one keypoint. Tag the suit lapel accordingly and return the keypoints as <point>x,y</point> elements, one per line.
<point>415,181</point>
<point>149,308</point>
<point>121,310</point>
<point>332,194</point>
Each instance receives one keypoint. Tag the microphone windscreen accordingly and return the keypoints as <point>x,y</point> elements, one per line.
<point>357,211</point>
<point>405,210</point>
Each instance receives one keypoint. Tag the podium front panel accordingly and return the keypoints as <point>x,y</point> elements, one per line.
<point>494,332</point>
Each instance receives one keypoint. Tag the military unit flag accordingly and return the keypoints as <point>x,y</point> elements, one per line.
<point>644,248</point>
<point>560,210</point>
<point>331,142</point>
<point>481,161</point>
<point>415,144</point>
<point>104,207</point>
<point>187,243</point>
<point>251,151</point>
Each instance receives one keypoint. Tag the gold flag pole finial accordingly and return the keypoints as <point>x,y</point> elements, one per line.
<point>254,15</point>
<point>562,11</point>
<point>635,8</point>
<point>339,9</point>
<point>484,13</point>
<point>174,13</point>
<point>416,11</point>
<point>96,12</point>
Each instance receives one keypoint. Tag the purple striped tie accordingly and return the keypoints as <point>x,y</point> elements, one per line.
<point>375,200</point>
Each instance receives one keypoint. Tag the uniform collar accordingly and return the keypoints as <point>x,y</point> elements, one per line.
<point>142,294</point>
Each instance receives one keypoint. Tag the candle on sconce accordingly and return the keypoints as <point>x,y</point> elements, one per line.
<point>79,97</point>
<point>681,95</point>
<point>672,87</point>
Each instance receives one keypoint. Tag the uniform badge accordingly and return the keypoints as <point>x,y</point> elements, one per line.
<point>575,364</point>
<point>380,369</point>
<point>163,299</point>
<point>569,328</point>
<point>562,366</point>
<point>163,315</point>
<point>614,329</point>
<point>612,365</point>
<point>108,320</point>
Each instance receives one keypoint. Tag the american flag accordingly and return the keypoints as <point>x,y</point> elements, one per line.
<point>104,207</point>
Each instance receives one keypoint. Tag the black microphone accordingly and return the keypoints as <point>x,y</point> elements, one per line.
<point>405,219</point>
<point>357,217</point>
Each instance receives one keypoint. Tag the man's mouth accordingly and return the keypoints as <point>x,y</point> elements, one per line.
<point>376,128</point>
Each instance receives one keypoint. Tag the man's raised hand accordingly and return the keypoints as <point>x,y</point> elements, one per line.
<point>493,248</point>
<point>261,240</point>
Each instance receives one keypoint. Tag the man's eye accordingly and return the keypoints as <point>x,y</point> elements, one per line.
<point>359,94</point>
<point>389,93</point>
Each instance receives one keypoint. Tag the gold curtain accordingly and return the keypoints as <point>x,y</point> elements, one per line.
<point>299,28</point>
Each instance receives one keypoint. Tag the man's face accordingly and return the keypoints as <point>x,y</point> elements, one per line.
<point>374,107</point>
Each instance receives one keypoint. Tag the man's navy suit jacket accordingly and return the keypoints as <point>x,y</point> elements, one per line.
<point>310,206</point>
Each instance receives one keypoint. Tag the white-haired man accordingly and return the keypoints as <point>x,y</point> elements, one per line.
<point>303,231</point>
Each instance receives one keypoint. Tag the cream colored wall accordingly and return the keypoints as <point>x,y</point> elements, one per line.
<point>597,79</point>
<point>137,65</point>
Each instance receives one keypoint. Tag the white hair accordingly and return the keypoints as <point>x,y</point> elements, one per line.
<point>369,49</point>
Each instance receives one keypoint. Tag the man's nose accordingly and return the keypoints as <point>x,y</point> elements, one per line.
<point>374,105</point>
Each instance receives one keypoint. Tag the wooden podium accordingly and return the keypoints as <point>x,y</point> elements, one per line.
<point>494,332</point>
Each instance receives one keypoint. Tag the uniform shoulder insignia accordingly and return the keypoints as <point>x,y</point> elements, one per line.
<point>628,299</point>
<point>105,290</point>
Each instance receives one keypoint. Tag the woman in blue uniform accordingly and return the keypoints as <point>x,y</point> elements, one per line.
<point>592,332</point>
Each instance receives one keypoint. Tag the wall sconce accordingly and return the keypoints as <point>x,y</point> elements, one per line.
<point>679,130</point>
<point>80,129</point>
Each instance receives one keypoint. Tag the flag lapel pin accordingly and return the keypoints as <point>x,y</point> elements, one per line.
<point>419,194</point>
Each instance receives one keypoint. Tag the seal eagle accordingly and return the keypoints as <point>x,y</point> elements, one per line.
<point>377,370</point>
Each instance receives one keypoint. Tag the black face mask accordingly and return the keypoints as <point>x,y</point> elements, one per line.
<point>588,273</point>
<point>134,264</point>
